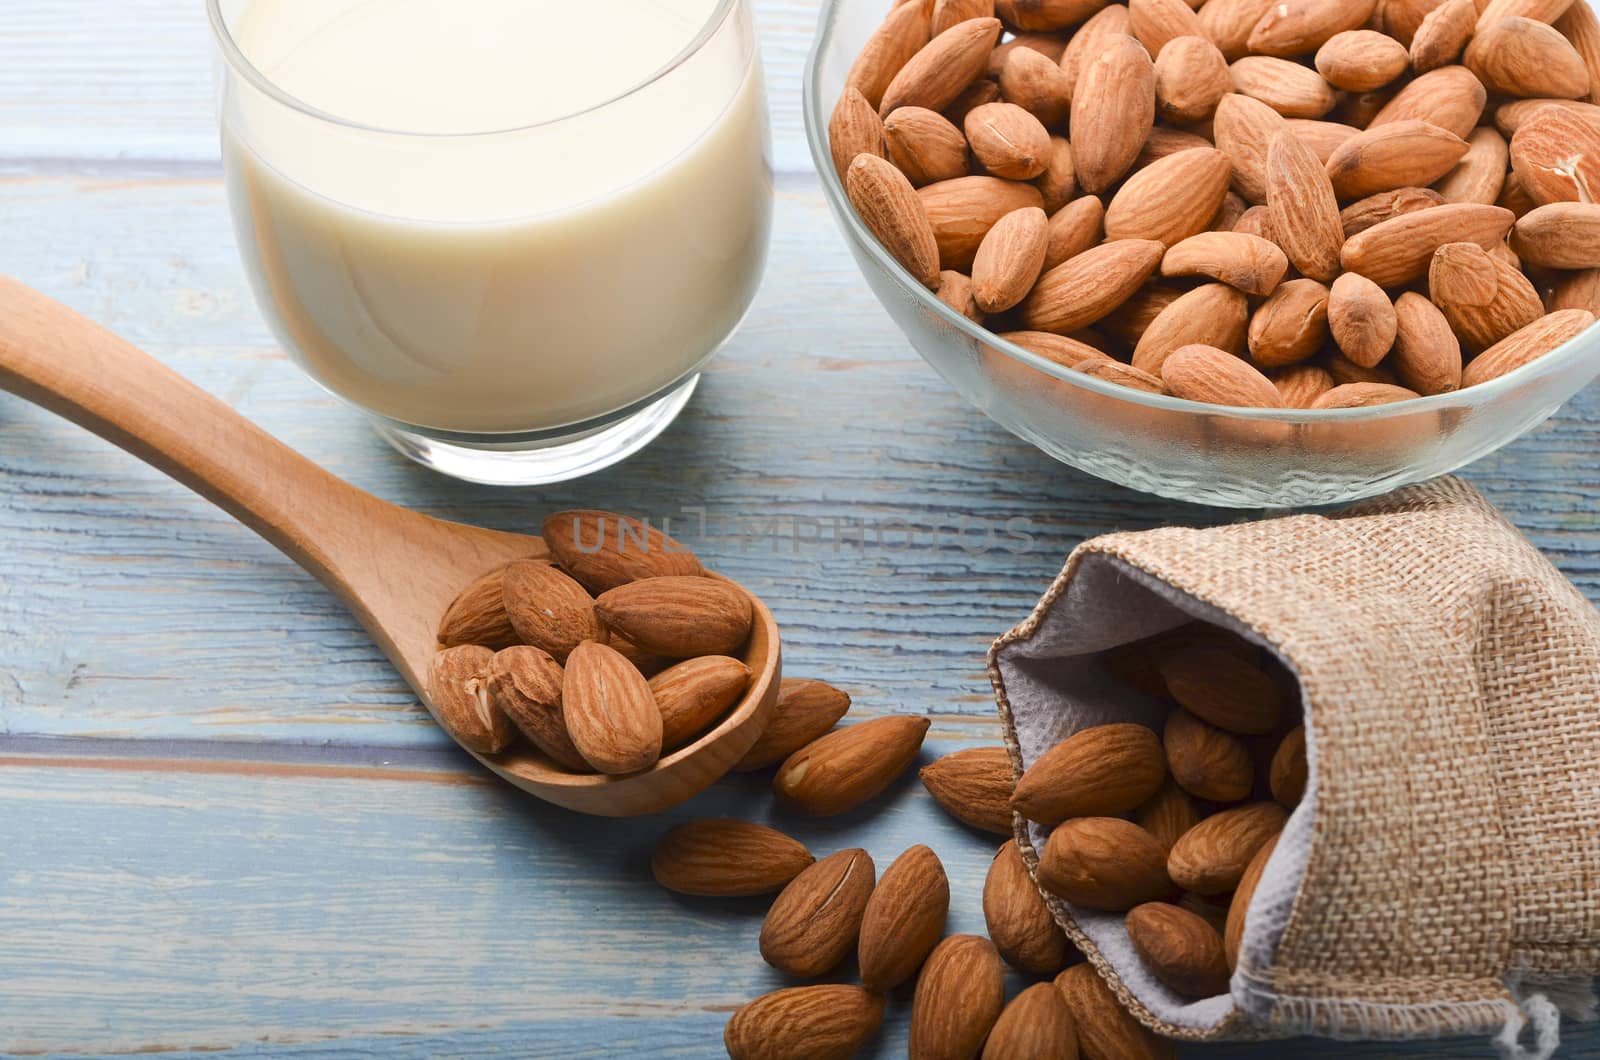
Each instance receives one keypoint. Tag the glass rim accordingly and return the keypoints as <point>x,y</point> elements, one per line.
<point>1551,363</point>
<point>241,65</point>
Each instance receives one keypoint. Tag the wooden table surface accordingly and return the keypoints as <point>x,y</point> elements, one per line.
<point>226,825</point>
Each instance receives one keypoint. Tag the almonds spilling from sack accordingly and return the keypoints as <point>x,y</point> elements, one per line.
<point>1057,170</point>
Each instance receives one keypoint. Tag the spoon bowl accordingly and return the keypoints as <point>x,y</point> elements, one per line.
<point>395,569</point>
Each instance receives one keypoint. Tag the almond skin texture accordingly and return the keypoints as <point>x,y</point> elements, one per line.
<point>1105,863</point>
<point>888,205</point>
<point>1180,948</point>
<point>1205,761</point>
<point>1168,814</point>
<point>1292,90</point>
<point>1214,314</point>
<point>1113,110</point>
<point>1302,384</point>
<point>943,68</point>
<point>1322,137</point>
<point>1363,395</point>
<point>1427,356</point>
<point>1361,60</point>
<point>611,715</point>
<point>947,13</point>
<point>694,693</point>
<point>1400,154</point>
<point>1010,259</point>
<point>1526,346</point>
<point>1027,936</point>
<point>1212,856</point>
<point>960,995</point>
<point>1247,262</point>
<point>1303,209</point>
<point>1291,325</point>
<point>1524,57</point>
<point>1036,1024</point>
<point>1074,229</point>
<point>1091,38</point>
<point>855,129</point>
<point>900,36</point>
<point>1244,127</point>
<point>1376,209</point>
<point>963,210</point>
<point>1361,319</point>
<point>1463,274</point>
<point>1037,84</point>
<point>1171,199</point>
<point>846,768</point>
<point>1156,23</point>
<point>1044,15</point>
<point>1290,769</point>
<point>1450,97</point>
<point>1059,181</point>
<point>974,786</point>
<point>458,687</point>
<point>805,711</point>
<point>1233,935</point>
<point>903,920</point>
<point>603,550</point>
<point>548,609</point>
<point>478,616</point>
<point>1562,235</point>
<point>814,923</point>
<point>720,857</point>
<point>1191,79</point>
<point>817,1022</point>
<point>1555,156</point>
<point>1443,34</point>
<point>1105,1029</point>
<point>678,617</point>
<point>1094,772</point>
<point>1085,288</point>
<point>1123,375</point>
<point>1399,250</point>
<point>1227,24</point>
<point>1007,140</point>
<point>955,291</point>
<point>1216,377</point>
<point>526,685</point>
<point>1219,687</point>
<point>924,145</point>
<point>1292,28</point>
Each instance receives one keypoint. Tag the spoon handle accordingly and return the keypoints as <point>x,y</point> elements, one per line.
<point>57,359</point>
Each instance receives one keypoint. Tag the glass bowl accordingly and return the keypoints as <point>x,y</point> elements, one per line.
<point>1207,454</point>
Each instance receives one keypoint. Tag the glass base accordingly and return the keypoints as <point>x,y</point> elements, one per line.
<point>542,457</point>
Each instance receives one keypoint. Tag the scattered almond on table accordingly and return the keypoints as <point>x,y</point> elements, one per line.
<point>1314,204</point>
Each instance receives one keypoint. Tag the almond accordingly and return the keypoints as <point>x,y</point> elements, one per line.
<point>1036,1024</point>
<point>1244,127</point>
<point>1290,770</point>
<point>1010,259</point>
<point>1399,250</point>
<point>960,994</point>
<point>1360,60</point>
<point>1218,686</point>
<point>1450,97</point>
<point>888,205</point>
<point>1363,395</point>
<point>1443,34</point>
<point>963,210</point>
<point>1480,176</point>
<point>603,550</point>
<point>1156,23</point>
<point>1059,349</point>
<point>1522,57</point>
<point>1165,140</point>
<point>1302,206</point>
<point>720,857</point>
<point>478,616</point>
<point>1037,85</point>
<point>1344,371</point>
<point>829,1022</point>
<point>1085,288</point>
<point>1561,235</point>
<point>1483,298</point>
<point>846,768</point>
<point>1008,141</point>
<point>1384,206</point>
<point>525,684</point>
<point>1129,321</point>
<point>694,694</point>
<point>1214,314</point>
<point>900,36</point>
<point>548,609</point>
<point>1058,184</point>
<point>1512,115</point>
<point>1401,18</point>
<point>1581,26</point>
<point>647,663</point>
<point>1191,78</point>
<point>943,68</point>
<point>814,923</point>
<point>1526,345</point>
<point>974,786</point>
<point>1097,771</point>
<point>1179,948</point>
<point>1105,1029</point>
<point>955,291</point>
<point>1168,814</point>
<point>972,97</point>
<point>1212,856</point>
<point>1019,922</point>
<point>924,145</point>
<point>1233,207</point>
<point>1323,138</point>
<point>679,617</point>
<point>1301,385</point>
<point>805,711</point>
<point>458,686</point>
<point>1556,157</point>
<point>1291,325</point>
<point>1239,907</point>
<point>610,713</point>
<point>1205,761</point>
<point>1292,90</point>
<point>1246,262</point>
<point>1123,375</point>
<point>1292,28</point>
<point>1044,15</point>
<point>1073,229</point>
<point>855,129</point>
<point>1216,377</point>
<point>1105,863</point>
<point>1577,290</point>
<point>947,13</point>
<point>1361,318</point>
<point>1048,45</point>
<point>1397,155</point>
<point>1113,109</point>
<point>1538,10</point>
<point>1172,199</point>
<point>904,919</point>
<point>1228,24</point>
<point>1256,222</point>
<point>1091,39</point>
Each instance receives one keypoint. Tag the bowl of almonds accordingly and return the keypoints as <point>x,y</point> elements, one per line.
<point>1237,252</point>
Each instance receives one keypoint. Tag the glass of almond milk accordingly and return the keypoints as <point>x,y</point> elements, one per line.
<point>511,231</point>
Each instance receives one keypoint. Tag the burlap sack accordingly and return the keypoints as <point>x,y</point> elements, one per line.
<point>1442,875</point>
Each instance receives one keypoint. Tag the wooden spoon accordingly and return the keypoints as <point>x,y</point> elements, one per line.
<point>394,569</point>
